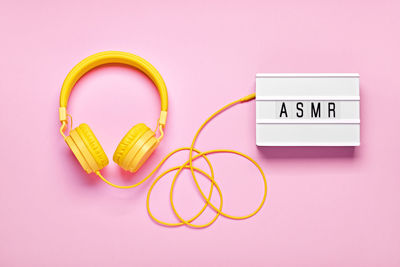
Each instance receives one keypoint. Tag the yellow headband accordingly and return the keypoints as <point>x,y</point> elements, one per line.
<point>108,57</point>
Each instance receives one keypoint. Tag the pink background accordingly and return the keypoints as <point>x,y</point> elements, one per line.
<point>326,206</point>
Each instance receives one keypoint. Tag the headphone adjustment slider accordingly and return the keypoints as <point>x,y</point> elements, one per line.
<point>63,114</point>
<point>163,118</point>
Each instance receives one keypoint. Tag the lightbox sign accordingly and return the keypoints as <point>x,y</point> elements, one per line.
<point>296,109</point>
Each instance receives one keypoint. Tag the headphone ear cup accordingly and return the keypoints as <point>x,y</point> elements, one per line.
<point>135,148</point>
<point>87,148</point>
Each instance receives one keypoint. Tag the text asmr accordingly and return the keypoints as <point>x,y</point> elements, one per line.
<point>307,109</point>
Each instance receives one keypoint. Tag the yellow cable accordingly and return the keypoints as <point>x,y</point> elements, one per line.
<point>189,165</point>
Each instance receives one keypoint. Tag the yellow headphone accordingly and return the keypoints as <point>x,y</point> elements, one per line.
<point>138,144</point>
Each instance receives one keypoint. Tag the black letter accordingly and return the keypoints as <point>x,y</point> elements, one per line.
<point>331,107</point>
<point>316,113</point>
<point>283,110</point>
<point>299,107</point>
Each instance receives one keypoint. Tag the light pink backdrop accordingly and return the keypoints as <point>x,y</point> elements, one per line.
<point>326,206</point>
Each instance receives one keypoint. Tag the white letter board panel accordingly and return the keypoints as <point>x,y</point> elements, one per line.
<point>298,109</point>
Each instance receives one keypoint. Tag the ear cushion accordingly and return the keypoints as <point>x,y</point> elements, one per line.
<point>135,148</point>
<point>87,148</point>
<point>128,141</point>
<point>93,145</point>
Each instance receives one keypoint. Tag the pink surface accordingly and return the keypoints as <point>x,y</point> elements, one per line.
<point>326,206</point>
